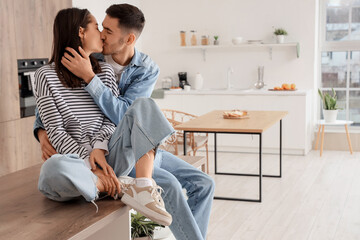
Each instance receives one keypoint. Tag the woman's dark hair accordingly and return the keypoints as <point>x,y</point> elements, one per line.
<point>129,16</point>
<point>66,34</point>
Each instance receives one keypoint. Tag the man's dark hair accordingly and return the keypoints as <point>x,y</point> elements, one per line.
<point>129,16</point>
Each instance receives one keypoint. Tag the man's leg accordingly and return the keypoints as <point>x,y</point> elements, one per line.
<point>199,188</point>
<point>190,217</point>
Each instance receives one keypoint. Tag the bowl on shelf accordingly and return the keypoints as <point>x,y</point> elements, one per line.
<point>237,40</point>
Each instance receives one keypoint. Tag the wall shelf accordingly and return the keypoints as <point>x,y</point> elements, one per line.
<point>269,46</point>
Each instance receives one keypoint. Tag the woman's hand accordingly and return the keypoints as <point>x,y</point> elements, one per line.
<point>46,148</point>
<point>107,183</point>
<point>98,156</point>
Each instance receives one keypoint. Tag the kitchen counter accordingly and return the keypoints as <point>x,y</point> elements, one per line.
<point>262,92</point>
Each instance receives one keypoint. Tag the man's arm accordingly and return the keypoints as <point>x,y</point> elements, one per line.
<point>40,134</point>
<point>112,106</point>
<point>115,107</point>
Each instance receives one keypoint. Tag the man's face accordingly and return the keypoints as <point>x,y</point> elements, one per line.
<point>113,37</point>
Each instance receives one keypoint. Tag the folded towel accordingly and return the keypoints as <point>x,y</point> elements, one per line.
<point>158,93</point>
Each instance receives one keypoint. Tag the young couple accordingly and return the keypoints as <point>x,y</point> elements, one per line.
<point>96,124</point>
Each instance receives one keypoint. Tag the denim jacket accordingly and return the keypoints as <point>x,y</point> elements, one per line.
<point>137,80</point>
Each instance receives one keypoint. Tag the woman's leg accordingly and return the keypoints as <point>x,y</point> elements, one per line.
<point>141,130</point>
<point>64,177</point>
<point>145,165</point>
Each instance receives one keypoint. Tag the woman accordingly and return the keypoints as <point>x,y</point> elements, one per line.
<point>83,136</point>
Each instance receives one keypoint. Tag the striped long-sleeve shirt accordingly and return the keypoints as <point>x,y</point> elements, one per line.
<point>73,121</point>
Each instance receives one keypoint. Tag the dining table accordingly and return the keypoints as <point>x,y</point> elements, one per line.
<point>254,123</point>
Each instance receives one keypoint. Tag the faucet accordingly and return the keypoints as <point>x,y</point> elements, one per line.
<point>229,71</point>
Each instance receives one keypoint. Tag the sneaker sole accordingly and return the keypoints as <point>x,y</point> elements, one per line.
<point>154,216</point>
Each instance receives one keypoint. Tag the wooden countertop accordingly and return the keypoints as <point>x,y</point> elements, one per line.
<point>26,214</point>
<point>257,122</point>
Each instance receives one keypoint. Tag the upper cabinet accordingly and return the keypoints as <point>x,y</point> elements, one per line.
<point>34,20</point>
<point>9,88</point>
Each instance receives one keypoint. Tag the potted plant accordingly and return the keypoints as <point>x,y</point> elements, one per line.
<point>280,34</point>
<point>216,41</point>
<point>142,228</point>
<point>330,108</point>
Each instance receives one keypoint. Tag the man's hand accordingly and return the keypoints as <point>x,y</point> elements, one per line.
<point>98,156</point>
<point>46,147</point>
<point>79,65</point>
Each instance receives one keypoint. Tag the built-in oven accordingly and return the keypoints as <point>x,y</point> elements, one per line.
<point>26,72</point>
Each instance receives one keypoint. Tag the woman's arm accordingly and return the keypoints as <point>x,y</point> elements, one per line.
<point>52,119</point>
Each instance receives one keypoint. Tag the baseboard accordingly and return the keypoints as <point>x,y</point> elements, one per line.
<point>285,151</point>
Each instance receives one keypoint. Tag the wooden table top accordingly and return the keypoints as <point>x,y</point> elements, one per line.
<point>27,214</point>
<point>257,122</point>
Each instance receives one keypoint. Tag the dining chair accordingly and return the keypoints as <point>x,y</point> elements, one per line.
<point>194,141</point>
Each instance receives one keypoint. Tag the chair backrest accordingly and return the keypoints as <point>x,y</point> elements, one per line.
<point>177,116</point>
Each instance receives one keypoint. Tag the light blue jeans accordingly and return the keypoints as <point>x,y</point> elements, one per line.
<point>143,127</point>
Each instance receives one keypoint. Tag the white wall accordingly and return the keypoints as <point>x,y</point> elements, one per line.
<point>230,18</point>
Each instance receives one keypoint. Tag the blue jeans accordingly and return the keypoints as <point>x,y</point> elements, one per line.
<point>143,127</point>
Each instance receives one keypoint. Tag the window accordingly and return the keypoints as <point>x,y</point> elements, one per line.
<point>340,54</point>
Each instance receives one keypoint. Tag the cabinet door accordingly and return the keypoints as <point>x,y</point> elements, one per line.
<point>34,22</point>
<point>9,87</point>
<point>8,147</point>
<point>18,149</point>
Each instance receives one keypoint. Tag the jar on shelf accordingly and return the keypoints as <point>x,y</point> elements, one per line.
<point>204,40</point>
<point>182,38</point>
<point>193,38</point>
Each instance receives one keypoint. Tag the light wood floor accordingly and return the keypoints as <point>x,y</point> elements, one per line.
<point>317,198</point>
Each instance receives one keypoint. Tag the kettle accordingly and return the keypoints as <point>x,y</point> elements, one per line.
<point>198,82</point>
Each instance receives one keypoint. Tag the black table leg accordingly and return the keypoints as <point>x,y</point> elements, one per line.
<point>185,143</point>
<point>215,153</point>
<point>280,156</point>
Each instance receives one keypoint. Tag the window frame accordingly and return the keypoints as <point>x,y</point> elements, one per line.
<point>335,46</point>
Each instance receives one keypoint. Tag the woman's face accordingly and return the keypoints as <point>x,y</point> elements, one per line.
<point>90,37</point>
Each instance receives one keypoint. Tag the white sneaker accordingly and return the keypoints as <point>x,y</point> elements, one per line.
<point>125,182</point>
<point>148,202</point>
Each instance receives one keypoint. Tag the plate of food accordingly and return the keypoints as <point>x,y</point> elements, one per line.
<point>175,89</point>
<point>284,87</point>
<point>235,114</point>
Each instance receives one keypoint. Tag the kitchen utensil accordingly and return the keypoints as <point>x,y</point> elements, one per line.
<point>187,88</point>
<point>182,79</point>
<point>260,83</point>
<point>193,38</point>
<point>198,82</point>
<point>166,83</point>
<point>254,41</point>
<point>205,40</point>
<point>183,38</point>
<point>237,40</point>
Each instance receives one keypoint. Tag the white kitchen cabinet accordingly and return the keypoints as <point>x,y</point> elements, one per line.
<point>296,125</point>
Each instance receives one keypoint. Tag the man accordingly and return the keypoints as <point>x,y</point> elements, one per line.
<point>137,75</point>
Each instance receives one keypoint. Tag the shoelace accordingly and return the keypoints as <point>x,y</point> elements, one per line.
<point>124,187</point>
<point>156,193</point>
